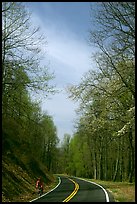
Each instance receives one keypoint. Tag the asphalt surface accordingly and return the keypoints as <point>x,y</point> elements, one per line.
<point>72,189</point>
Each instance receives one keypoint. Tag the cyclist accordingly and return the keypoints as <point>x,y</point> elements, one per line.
<point>39,185</point>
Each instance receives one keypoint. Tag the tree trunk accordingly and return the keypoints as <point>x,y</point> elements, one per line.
<point>94,165</point>
<point>132,157</point>
<point>116,170</point>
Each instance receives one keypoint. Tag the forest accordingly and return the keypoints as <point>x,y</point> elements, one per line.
<point>103,145</point>
<point>23,122</point>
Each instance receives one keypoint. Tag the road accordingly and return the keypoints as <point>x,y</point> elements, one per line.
<point>72,189</point>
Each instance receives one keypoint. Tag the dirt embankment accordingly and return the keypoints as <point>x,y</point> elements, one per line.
<point>19,179</point>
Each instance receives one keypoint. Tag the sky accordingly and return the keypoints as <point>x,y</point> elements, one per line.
<point>66,27</point>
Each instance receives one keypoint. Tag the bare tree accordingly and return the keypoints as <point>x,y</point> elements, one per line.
<point>21,48</point>
<point>114,35</point>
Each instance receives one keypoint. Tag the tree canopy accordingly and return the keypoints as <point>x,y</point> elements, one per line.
<point>106,126</point>
<point>24,127</point>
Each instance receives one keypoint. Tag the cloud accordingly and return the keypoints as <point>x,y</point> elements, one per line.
<point>65,48</point>
<point>69,57</point>
<point>63,112</point>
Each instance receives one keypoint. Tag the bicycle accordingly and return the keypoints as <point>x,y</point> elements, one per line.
<point>40,191</point>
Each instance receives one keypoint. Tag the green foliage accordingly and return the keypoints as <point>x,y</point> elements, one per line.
<point>105,132</point>
<point>26,131</point>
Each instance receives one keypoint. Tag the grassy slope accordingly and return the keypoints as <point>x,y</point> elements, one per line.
<point>20,171</point>
<point>18,182</point>
<point>121,191</point>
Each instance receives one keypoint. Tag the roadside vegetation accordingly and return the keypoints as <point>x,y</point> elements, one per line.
<point>103,144</point>
<point>102,147</point>
<point>18,184</point>
<point>29,136</point>
<point>121,191</point>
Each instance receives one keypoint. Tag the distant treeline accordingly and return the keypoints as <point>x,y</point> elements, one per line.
<point>103,146</point>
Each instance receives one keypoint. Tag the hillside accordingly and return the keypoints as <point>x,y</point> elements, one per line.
<point>19,175</point>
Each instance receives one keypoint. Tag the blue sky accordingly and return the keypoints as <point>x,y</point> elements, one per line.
<point>66,27</point>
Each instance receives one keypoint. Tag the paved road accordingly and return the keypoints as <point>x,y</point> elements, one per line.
<point>72,189</point>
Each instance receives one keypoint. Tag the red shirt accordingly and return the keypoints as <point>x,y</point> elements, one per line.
<point>39,183</point>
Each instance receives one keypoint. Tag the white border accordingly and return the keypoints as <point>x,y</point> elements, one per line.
<point>48,191</point>
<point>106,194</point>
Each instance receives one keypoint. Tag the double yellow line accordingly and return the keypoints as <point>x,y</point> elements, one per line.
<point>73,193</point>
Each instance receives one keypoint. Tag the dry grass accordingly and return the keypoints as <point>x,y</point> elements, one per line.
<point>18,185</point>
<point>28,196</point>
<point>121,191</point>
<point>31,196</point>
<point>124,193</point>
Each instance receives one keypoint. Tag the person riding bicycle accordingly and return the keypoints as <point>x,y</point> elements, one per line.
<point>39,185</point>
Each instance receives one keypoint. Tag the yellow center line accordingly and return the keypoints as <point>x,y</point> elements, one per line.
<point>73,193</point>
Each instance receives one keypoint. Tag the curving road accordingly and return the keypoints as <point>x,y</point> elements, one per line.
<point>73,189</point>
